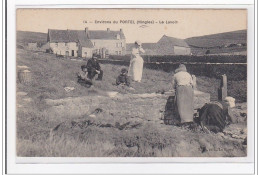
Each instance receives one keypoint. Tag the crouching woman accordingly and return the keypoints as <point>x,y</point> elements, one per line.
<point>215,116</point>
<point>184,94</point>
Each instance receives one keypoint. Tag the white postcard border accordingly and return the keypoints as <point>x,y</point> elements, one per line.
<point>147,165</point>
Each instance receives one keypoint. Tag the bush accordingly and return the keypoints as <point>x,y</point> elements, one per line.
<point>196,59</point>
<point>235,72</point>
<point>120,57</point>
<point>187,58</point>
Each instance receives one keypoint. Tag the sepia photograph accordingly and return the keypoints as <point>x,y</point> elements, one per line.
<point>131,82</point>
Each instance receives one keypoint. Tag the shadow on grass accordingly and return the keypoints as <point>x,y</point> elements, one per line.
<point>170,116</point>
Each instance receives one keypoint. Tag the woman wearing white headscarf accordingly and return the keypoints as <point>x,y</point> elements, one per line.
<point>184,94</point>
<point>136,63</point>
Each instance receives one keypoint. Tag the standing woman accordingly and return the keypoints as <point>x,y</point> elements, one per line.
<point>136,63</point>
<point>184,94</point>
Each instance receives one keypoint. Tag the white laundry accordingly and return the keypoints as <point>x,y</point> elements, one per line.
<point>68,89</point>
<point>230,101</point>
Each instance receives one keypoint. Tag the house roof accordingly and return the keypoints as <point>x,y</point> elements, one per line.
<point>58,35</point>
<point>81,36</point>
<point>171,41</point>
<point>103,34</point>
<point>83,40</point>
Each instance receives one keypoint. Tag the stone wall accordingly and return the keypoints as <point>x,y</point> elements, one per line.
<point>146,106</point>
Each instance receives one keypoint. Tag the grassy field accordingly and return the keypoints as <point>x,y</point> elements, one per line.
<point>219,39</point>
<point>54,122</point>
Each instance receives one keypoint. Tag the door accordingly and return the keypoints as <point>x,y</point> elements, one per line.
<point>67,53</point>
<point>72,53</point>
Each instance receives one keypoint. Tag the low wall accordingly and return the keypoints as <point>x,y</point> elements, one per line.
<point>148,106</point>
<point>234,71</point>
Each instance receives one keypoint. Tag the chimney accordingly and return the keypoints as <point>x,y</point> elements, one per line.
<point>108,29</point>
<point>121,30</point>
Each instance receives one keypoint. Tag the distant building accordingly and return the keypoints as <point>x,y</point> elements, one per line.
<point>83,43</point>
<point>165,46</point>
<point>172,46</point>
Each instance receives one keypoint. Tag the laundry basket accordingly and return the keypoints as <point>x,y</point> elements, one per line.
<point>25,76</point>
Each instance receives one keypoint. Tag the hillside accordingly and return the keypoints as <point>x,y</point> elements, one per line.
<point>53,121</point>
<point>25,37</point>
<point>234,43</point>
<point>221,39</point>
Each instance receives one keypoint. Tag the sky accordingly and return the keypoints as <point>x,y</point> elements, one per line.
<point>179,23</point>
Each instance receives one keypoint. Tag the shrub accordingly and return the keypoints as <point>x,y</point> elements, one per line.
<point>187,58</point>
<point>233,71</point>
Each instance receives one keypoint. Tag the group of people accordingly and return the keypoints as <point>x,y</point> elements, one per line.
<point>213,116</point>
<point>89,71</point>
<point>135,70</point>
<point>92,68</point>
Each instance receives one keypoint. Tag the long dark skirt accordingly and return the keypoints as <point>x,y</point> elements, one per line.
<point>213,117</point>
<point>184,103</point>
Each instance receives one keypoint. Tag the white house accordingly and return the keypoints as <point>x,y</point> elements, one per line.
<point>84,43</point>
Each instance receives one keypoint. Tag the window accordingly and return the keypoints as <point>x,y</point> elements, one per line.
<point>116,44</point>
<point>86,54</point>
<point>56,44</point>
<point>121,44</point>
<point>119,52</point>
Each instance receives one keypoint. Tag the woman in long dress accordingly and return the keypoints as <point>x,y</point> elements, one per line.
<point>136,63</point>
<point>184,94</point>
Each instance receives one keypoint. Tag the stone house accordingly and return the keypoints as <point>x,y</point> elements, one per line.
<point>172,46</point>
<point>165,46</point>
<point>83,43</point>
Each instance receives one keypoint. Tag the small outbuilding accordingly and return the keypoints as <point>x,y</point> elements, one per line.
<point>172,46</point>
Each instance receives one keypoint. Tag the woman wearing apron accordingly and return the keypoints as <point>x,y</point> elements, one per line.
<point>136,63</point>
<point>184,94</point>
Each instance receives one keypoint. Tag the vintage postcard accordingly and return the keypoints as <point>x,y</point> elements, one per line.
<point>131,82</point>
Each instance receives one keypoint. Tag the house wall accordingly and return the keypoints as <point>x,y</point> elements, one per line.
<point>113,46</point>
<point>45,47</point>
<point>86,52</point>
<point>181,50</point>
<point>61,48</point>
<point>164,49</point>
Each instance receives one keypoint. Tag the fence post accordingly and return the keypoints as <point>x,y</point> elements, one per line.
<point>222,91</point>
<point>148,59</point>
